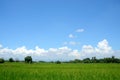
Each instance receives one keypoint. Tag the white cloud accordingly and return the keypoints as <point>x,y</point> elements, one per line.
<point>63,53</point>
<point>76,54</point>
<point>71,36</point>
<point>103,47</point>
<point>80,30</point>
<point>37,54</point>
<point>88,49</point>
<point>102,50</point>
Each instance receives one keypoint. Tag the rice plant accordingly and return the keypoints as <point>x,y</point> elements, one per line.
<point>51,71</point>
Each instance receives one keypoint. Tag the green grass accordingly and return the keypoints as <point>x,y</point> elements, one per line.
<point>49,71</point>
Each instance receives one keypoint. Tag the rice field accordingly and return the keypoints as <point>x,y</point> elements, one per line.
<point>52,71</point>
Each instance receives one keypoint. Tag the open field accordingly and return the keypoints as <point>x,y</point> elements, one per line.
<point>51,71</point>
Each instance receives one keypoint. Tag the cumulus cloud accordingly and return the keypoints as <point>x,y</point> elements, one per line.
<point>52,54</point>
<point>80,30</point>
<point>101,50</point>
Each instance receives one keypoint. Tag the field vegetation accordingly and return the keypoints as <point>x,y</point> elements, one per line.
<point>63,71</point>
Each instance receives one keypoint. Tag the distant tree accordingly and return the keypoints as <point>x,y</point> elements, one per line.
<point>94,60</point>
<point>42,62</point>
<point>107,60</point>
<point>2,60</point>
<point>117,60</point>
<point>75,61</point>
<point>11,60</point>
<point>28,59</point>
<point>113,59</point>
<point>86,60</point>
<point>58,62</point>
<point>101,60</point>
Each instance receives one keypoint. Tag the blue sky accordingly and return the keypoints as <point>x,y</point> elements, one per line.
<point>50,23</point>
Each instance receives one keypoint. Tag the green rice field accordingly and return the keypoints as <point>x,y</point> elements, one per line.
<point>64,71</point>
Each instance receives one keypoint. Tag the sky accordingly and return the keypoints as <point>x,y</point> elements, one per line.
<point>59,29</point>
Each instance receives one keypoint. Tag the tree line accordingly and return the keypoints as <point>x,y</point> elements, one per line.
<point>95,60</point>
<point>28,59</point>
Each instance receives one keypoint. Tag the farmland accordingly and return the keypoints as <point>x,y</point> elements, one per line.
<point>64,71</point>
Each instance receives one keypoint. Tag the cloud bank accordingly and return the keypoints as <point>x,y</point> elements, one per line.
<point>63,53</point>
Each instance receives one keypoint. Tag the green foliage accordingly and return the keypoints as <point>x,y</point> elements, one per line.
<point>86,60</point>
<point>28,59</point>
<point>11,60</point>
<point>51,71</point>
<point>2,60</point>
<point>58,62</point>
<point>111,60</point>
<point>95,60</point>
<point>75,61</point>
